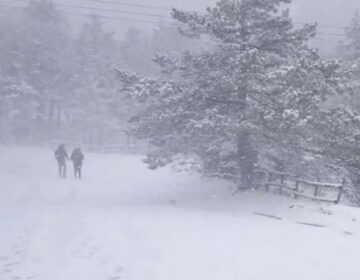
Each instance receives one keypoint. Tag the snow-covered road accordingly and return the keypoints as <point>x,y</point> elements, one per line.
<point>123,221</point>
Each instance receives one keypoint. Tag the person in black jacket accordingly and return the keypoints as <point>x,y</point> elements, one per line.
<point>77,157</point>
<point>61,156</point>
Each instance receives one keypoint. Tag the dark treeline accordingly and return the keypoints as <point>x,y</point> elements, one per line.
<point>56,83</point>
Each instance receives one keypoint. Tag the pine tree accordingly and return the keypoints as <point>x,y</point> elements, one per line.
<point>95,107</point>
<point>259,87</point>
<point>44,41</point>
<point>351,48</point>
<point>21,104</point>
<point>63,85</point>
<point>340,140</point>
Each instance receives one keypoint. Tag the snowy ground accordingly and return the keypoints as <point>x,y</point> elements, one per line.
<point>126,222</point>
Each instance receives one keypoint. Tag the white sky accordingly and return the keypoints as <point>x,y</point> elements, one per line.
<point>330,14</point>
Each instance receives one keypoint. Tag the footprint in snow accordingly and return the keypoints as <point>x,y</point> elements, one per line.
<point>12,264</point>
<point>30,277</point>
<point>92,251</point>
<point>114,278</point>
<point>7,270</point>
<point>3,258</point>
<point>86,249</point>
<point>117,274</point>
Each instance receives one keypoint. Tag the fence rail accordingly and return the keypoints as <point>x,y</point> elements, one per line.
<point>303,188</point>
<point>293,184</point>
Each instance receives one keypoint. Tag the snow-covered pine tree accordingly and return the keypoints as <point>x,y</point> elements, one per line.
<point>351,47</point>
<point>94,88</point>
<point>44,41</point>
<point>21,105</point>
<point>259,88</point>
<point>69,80</point>
<point>96,109</point>
<point>20,110</point>
<point>340,125</point>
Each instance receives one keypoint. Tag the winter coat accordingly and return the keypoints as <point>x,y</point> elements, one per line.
<point>61,154</point>
<point>77,157</point>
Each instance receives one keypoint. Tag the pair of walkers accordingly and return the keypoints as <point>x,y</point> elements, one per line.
<point>77,157</point>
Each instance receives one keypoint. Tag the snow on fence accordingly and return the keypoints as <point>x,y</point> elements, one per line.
<point>317,191</point>
<point>294,185</point>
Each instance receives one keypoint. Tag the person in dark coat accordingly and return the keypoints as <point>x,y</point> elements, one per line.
<point>77,157</point>
<point>61,156</point>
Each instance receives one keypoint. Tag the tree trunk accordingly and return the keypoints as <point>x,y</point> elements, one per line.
<point>353,191</point>
<point>247,158</point>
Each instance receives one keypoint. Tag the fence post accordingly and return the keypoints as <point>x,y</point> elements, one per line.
<point>297,187</point>
<point>316,191</point>
<point>340,191</point>
<point>270,178</point>
<point>282,181</point>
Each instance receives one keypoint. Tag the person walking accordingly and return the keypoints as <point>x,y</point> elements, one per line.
<point>61,156</point>
<point>77,157</point>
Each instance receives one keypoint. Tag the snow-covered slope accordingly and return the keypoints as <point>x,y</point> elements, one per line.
<point>123,221</point>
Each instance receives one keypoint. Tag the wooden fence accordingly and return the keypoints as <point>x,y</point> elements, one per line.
<point>291,184</point>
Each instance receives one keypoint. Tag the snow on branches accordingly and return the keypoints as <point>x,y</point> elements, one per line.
<point>256,89</point>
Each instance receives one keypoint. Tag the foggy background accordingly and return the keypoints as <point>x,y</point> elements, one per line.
<point>331,15</point>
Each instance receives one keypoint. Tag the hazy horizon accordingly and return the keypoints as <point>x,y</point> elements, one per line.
<point>143,17</point>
